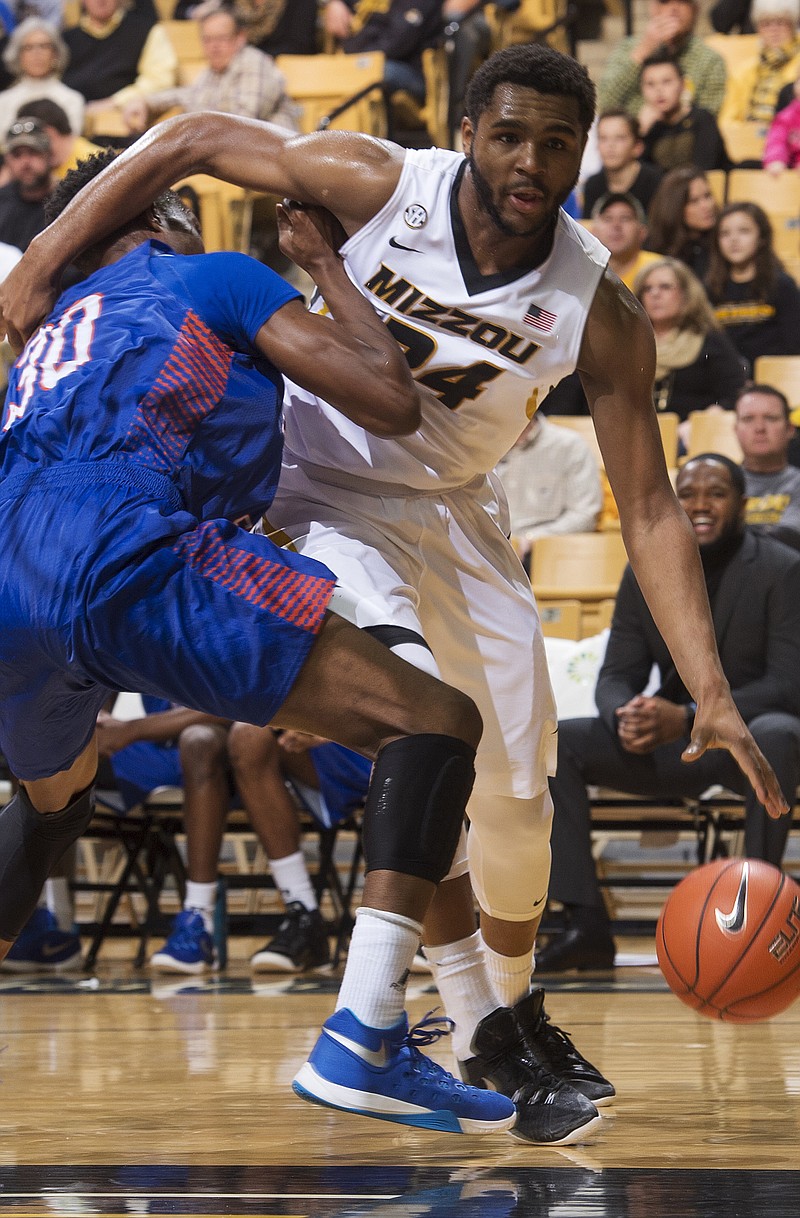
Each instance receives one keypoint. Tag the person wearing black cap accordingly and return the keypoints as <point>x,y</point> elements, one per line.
<point>619,221</point>
<point>27,155</point>
<point>67,149</point>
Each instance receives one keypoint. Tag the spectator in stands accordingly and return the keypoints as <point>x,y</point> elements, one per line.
<point>469,43</point>
<point>755,301</point>
<point>238,80</point>
<point>681,218</point>
<point>211,759</point>
<point>764,431</point>
<point>697,365</point>
<point>552,484</point>
<point>751,94</point>
<point>280,27</point>
<point>402,29</point>
<point>106,45</point>
<point>670,29</point>
<point>675,131</point>
<point>782,145</point>
<point>619,221</point>
<point>36,57</point>
<point>636,744</point>
<point>620,146</point>
<point>66,148</point>
<point>22,198</point>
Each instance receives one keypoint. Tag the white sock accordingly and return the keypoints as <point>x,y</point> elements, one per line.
<point>292,879</point>
<point>459,970</point>
<point>59,901</point>
<point>511,975</point>
<point>378,962</point>
<point>203,899</point>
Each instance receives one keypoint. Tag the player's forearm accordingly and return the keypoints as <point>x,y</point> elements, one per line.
<point>238,150</point>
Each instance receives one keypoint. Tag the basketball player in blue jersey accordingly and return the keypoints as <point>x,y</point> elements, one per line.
<point>142,419</point>
<point>495,295</point>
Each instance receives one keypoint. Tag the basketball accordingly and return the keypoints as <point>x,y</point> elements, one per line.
<point>728,940</point>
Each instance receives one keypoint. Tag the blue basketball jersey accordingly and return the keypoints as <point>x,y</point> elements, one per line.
<point>152,360</point>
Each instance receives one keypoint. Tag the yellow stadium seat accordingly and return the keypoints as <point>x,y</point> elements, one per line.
<point>586,566</point>
<point>775,193</point>
<point>782,371</point>
<point>735,49</point>
<point>320,83</point>
<point>711,431</point>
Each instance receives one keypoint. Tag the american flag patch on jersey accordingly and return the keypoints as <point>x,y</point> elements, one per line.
<point>540,319</point>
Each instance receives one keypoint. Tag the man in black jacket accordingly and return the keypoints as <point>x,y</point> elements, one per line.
<point>637,742</point>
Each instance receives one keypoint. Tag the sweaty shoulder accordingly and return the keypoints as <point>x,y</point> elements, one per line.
<point>233,294</point>
<point>617,323</point>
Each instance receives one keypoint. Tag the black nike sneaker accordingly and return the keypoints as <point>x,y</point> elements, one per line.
<point>549,1110</point>
<point>555,1048</point>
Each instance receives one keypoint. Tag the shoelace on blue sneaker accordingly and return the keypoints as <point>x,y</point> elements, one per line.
<point>427,1031</point>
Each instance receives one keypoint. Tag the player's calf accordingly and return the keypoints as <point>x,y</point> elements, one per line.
<point>31,843</point>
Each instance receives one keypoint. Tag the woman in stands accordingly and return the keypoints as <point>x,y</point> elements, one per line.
<point>754,300</point>
<point>682,216</point>
<point>36,56</point>
<point>697,365</point>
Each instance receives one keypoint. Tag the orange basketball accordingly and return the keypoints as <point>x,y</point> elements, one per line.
<point>728,940</point>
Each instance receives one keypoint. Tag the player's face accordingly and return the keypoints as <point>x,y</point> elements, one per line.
<point>710,500</point>
<point>762,428</point>
<point>524,156</point>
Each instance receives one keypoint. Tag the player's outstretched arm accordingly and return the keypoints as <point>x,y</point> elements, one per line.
<point>349,358</point>
<point>658,537</point>
<point>351,174</point>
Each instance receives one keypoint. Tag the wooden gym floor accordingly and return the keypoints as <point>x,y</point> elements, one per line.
<point>121,1094</point>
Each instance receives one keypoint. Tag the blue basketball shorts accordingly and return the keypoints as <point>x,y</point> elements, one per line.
<point>108,583</point>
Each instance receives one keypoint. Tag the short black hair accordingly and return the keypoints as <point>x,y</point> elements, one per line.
<point>657,59</point>
<point>767,391</point>
<point>735,471</point>
<point>166,205</point>
<point>48,112</point>
<point>534,66</point>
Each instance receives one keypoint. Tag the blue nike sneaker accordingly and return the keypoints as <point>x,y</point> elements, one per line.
<point>42,947</point>
<point>380,1072</point>
<point>189,948</point>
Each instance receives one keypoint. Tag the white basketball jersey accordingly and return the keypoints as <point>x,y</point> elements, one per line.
<point>489,348</point>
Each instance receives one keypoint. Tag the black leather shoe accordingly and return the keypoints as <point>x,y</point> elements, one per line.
<point>549,1110</point>
<point>575,949</point>
<point>557,1051</point>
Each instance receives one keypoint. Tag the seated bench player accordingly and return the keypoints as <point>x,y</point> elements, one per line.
<point>143,418</point>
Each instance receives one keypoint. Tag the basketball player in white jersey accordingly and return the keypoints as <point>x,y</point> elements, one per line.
<point>496,295</point>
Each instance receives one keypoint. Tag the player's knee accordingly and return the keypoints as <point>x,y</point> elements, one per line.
<point>453,713</point>
<point>416,803</point>
<point>202,749</point>
<point>510,883</point>
<point>252,748</point>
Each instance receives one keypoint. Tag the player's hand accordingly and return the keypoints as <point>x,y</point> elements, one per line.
<point>308,235</point>
<point>112,734</point>
<point>718,725</point>
<point>299,742</point>
<point>26,298</point>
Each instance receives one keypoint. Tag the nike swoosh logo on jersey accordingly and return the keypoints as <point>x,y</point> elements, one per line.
<point>733,922</point>
<point>395,244</point>
<point>373,1057</point>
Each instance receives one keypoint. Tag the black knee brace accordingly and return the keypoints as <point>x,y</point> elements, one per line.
<point>415,805</point>
<point>31,843</point>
